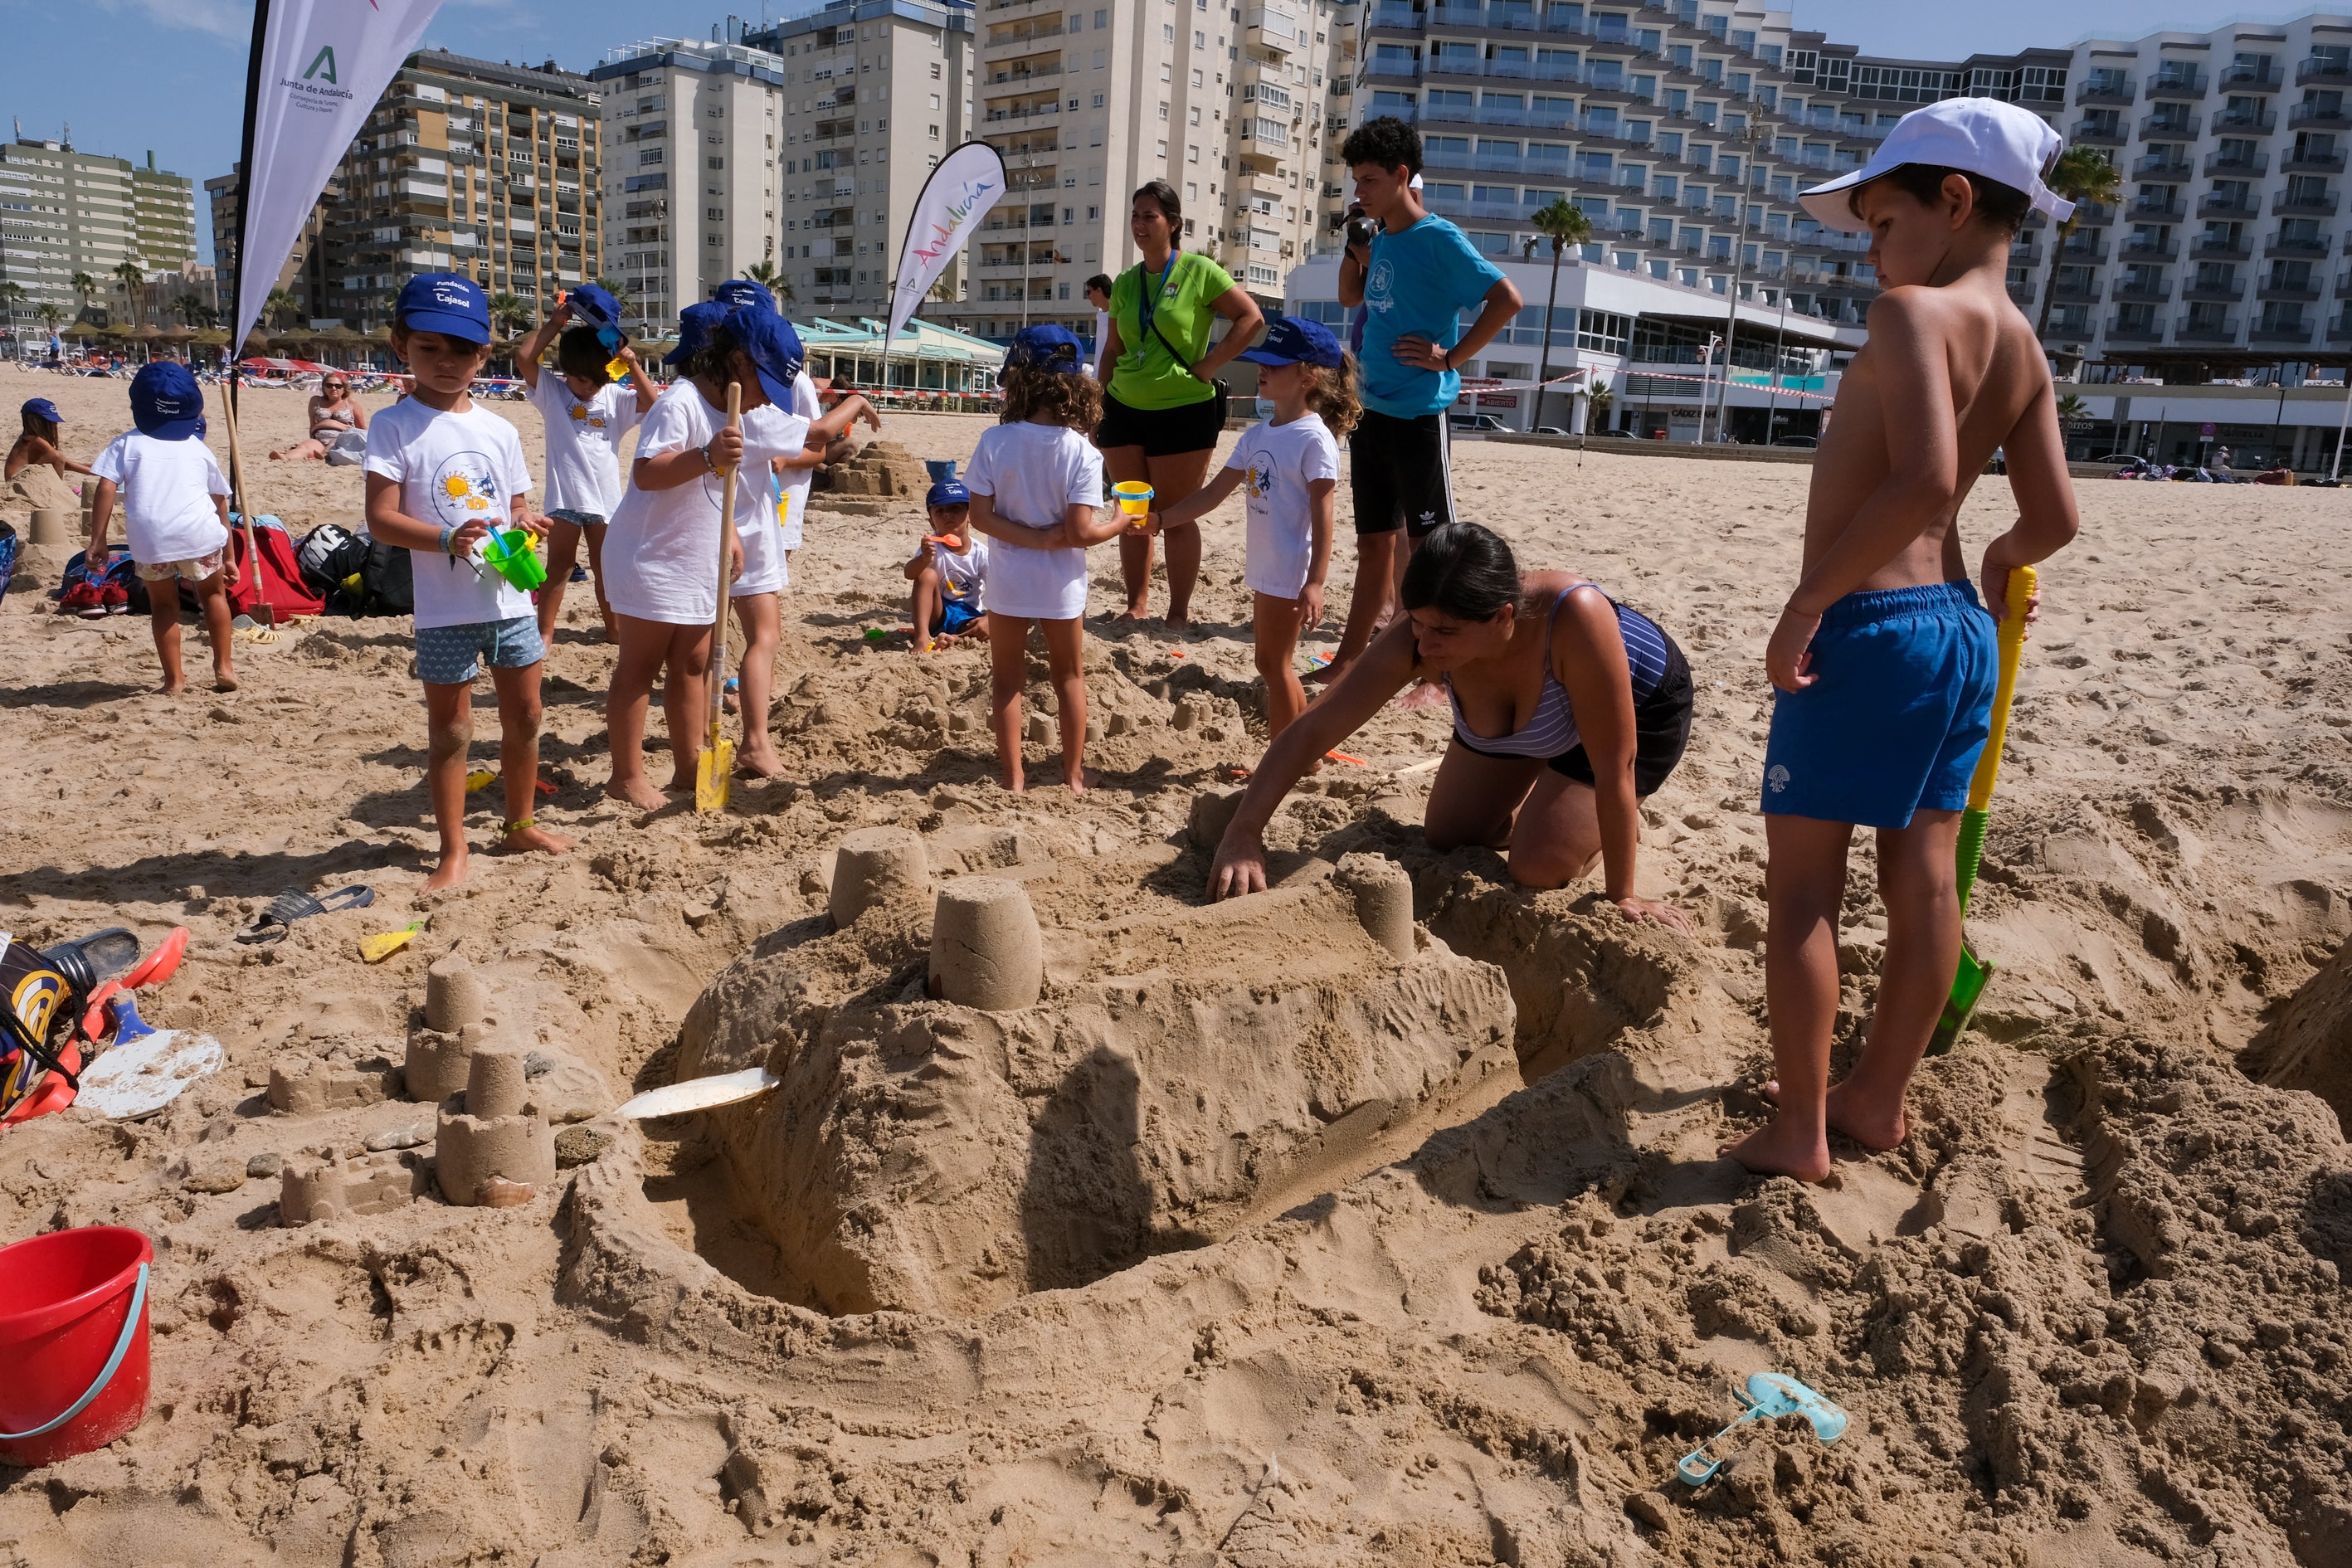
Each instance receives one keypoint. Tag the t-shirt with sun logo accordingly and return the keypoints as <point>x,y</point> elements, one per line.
<point>584,443</point>
<point>1279,461</point>
<point>453,468</point>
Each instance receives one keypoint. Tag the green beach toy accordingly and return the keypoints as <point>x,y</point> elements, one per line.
<point>512,556</point>
<point>1968,982</point>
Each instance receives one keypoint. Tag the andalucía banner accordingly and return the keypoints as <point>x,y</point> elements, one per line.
<point>318,68</point>
<point>960,191</point>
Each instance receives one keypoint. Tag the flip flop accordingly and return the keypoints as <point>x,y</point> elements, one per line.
<point>295,905</point>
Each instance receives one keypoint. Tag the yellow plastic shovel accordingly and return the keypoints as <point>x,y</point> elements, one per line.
<point>383,945</point>
<point>716,767</point>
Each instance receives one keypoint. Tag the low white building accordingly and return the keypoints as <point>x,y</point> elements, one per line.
<point>1653,343</point>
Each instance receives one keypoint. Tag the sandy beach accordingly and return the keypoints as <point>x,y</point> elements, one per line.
<point>1253,1242</point>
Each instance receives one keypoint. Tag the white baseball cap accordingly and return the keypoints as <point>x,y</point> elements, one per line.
<point>1976,135</point>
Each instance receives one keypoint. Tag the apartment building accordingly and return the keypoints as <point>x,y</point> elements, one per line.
<point>691,153</point>
<point>2228,247</point>
<point>874,92</point>
<point>303,274</point>
<point>468,166</point>
<point>1683,132</point>
<point>1229,104</point>
<point>63,211</point>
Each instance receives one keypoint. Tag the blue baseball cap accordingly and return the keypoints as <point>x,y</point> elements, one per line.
<point>447,303</point>
<point>1294,340</point>
<point>1045,347</point>
<point>775,351</point>
<point>736,293</point>
<point>948,493</point>
<point>42,408</point>
<point>593,307</point>
<point>166,401</point>
<point>694,324</point>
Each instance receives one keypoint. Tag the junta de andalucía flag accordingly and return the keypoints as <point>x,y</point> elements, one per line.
<point>968,182</point>
<point>318,68</point>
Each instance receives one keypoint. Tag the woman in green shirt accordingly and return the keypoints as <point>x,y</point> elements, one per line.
<point>1162,411</point>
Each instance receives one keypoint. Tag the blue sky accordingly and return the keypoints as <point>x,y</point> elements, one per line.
<point>169,74</point>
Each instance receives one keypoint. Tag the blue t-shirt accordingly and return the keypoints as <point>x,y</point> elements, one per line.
<point>1419,282</point>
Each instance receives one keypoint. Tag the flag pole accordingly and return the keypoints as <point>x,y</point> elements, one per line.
<point>261,611</point>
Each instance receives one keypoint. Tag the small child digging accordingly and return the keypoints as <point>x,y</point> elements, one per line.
<point>949,572</point>
<point>40,441</point>
<point>441,473</point>
<point>1883,659</point>
<point>174,514</point>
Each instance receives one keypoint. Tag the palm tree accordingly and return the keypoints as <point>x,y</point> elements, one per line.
<point>48,315</point>
<point>764,273</point>
<point>2080,175</point>
<point>1564,226</point>
<point>1596,408</point>
<point>12,294</point>
<point>188,305</point>
<point>279,304</point>
<point>619,291</point>
<point>2074,417</point>
<point>84,286</point>
<point>512,314</point>
<point>130,275</point>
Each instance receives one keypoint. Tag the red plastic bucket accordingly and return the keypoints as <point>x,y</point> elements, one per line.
<point>73,1341</point>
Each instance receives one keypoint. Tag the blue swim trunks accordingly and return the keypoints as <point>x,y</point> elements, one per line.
<point>953,616</point>
<point>452,655</point>
<point>1898,716</point>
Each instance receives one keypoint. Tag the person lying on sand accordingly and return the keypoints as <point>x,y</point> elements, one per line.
<point>334,414</point>
<point>1884,659</point>
<point>1569,709</point>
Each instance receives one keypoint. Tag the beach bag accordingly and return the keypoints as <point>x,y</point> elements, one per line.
<point>327,555</point>
<point>38,1001</point>
<point>109,588</point>
<point>381,586</point>
<point>348,449</point>
<point>8,559</point>
<point>278,577</point>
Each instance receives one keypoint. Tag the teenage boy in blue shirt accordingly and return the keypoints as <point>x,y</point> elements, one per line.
<point>1414,275</point>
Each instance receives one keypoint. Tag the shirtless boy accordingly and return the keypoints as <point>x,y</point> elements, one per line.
<point>1884,659</point>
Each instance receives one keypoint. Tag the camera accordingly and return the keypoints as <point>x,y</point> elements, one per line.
<point>1360,229</point>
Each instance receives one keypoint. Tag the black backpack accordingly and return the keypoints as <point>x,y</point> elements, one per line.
<point>385,586</point>
<point>329,555</point>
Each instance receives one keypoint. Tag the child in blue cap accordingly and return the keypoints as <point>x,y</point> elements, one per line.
<point>44,428</point>
<point>585,414</point>
<point>1290,466</point>
<point>174,514</point>
<point>661,551</point>
<point>1036,484</point>
<point>949,571</point>
<point>442,472</point>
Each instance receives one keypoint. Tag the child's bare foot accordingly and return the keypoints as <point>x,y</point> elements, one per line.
<point>1129,616</point>
<point>1014,783</point>
<point>1078,780</point>
<point>639,791</point>
<point>224,678</point>
<point>173,686</point>
<point>531,837</point>
<point>448,874</point>
<point>1179,623</point>
<point>762,763</point>
<point>1774,1150</point>
<point>683,782</point>
<point>1857,1116</point>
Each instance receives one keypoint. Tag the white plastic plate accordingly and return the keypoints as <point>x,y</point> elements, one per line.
<point>701,1094</point>
<point>141,1076</point>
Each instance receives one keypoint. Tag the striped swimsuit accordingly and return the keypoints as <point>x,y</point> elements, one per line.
<point>1550,730</point>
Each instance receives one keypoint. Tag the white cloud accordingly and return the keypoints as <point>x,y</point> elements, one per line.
<point>222,18</point>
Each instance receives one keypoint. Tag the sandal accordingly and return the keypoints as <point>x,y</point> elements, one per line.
<point>295,905</point>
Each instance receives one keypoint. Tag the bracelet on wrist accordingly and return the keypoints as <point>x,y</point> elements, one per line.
<point>446,534</point>
<point>708,462</point>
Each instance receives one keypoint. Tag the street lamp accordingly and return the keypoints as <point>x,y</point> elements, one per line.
<point>1753,136</point>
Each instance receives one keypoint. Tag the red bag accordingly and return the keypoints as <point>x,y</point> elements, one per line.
<point>280,576</point>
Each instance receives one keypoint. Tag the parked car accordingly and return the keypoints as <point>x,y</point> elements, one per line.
<point>1482,424</point>
<point>1547,431</point>
<point>1620,435</point>
<point>2131,458</point>
<point>1807,442</point>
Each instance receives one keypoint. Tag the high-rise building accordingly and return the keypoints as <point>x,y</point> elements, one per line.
<point>470,166</point>
<point>1229,104</point>
<point>874,92</point>
<point>303,274</point>
<point>689,159</point>
<point>63,211</point>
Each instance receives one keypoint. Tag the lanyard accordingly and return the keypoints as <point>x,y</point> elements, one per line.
<point>1146,306</point>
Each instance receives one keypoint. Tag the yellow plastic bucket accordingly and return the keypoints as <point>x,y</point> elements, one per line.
<point>1134,497</point>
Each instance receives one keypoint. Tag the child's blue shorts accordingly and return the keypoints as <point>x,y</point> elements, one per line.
<point>452,655</point>
<point>1898,716</point>
<point>953,616</point>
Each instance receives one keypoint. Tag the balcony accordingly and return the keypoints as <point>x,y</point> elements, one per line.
<point>2320,116</point>
<point>2245,122</point>
<point>1025,73</point>
<point>2339,326</point>
<point>2227,291</point>
<point>2323,71</point>
<point>2095,133</point>
<point>2274,289</point>
<point>1026,33</point>
<point>2217,203</point>
<point>2283,244</point>
<point>2122,329</point>
<point>2170,127</point>
<point>2193,329</point>
<point>2081,249</point>
<point>2076,293</point>
<point>1275,31</point>
<point>2240,166</point>
<point>2147,251</point>
<point>2262,77</point>
<point>2310,162</point>
<point>2151,290</point>
<point>2287,203</point>
<point>2168,165</point>
<point>2120,91</point>
<point>2298,331</point>
<point>2221,248</point>
<point>2156,209</point>
<point>1016,116</point>
<point>1403,17</point>
<point>2177,85</point>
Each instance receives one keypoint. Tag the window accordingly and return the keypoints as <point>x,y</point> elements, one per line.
<point>1166,75</point>
<point>715,163</point>
<point>1167,32</point>
<point>1102,20</point>
<point>1200,39</point>
<point>1098,101</point>
<point>935,76</point>
<point>935,100</point>
<point>1164,110</point>
<point>1192,155</point>
<point>935,133</point>
<point>1163,152</point>
<point>1196,117</point>
<point>1196,76</point>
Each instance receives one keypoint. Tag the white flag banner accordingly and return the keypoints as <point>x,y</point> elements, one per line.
<point>968,182</point>
<point>318,68</point>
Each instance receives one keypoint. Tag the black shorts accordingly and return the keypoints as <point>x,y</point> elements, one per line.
<point>1403,473</point>
<point>1662,723</point>
<point>1161,432</point>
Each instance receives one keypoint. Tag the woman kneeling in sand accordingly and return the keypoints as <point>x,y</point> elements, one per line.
<point>334,414</point>
<point>1569,709</point>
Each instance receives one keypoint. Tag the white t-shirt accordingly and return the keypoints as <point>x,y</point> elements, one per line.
<point>793,493</point>
<point>962,577</point>
<point>453,468</point>
<point>1034,473</point>
<point>584,443</point>
<point>661,548</point>
<point>167,496</point>
<point>1280,462</point>
<point>769,429</point>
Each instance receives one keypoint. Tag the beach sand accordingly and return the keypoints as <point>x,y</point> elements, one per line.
<point>1466,1301</point>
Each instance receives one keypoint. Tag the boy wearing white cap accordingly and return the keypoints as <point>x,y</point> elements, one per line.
<point>1885,658</point>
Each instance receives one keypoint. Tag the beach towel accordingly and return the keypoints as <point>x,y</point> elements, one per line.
<point>348,450</point>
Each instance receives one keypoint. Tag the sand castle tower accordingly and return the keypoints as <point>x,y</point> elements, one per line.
<point>500,1140</point>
